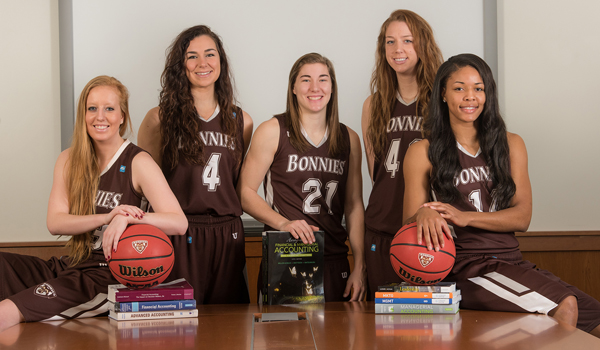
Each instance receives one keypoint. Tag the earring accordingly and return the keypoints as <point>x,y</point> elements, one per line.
<point>444,100</point>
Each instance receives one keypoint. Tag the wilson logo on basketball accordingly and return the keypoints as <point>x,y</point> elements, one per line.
<point>45,290</point>
<point>425,259</point>
<point>139,271</point>
<point>139,246</point>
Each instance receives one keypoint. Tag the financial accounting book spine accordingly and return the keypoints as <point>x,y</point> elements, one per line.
<point>415,309</point>
<point>149,315</point>
<point>292,270</point>
<point>430,301</point>
<point>176,290</point>
<point>156,305</point>
<point>419,295</point>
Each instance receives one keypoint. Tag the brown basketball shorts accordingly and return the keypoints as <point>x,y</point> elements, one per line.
<point>377,258</point>
<point>211,256</point>
<point>50,289</point>
<point>505,282</point>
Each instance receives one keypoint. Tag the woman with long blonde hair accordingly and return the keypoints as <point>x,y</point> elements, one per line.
<point>97,191</point>
<point>302,198</point>
<point>407,59</point>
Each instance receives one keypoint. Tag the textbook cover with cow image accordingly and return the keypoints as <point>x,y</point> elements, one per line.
<point>292,271</point>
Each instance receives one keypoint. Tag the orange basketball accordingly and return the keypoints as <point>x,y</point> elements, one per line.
<point>144,257</point>
<point>414,263</point>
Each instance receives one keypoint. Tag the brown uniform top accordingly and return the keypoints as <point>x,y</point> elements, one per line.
<point>471,183</point>
<point>384,210</point>
<point>310,186</point>
<point>116,186</point>
<point>210,189</point>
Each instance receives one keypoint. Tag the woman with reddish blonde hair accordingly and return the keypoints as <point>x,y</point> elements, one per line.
<point>407,59</point>
<point>98,186</point>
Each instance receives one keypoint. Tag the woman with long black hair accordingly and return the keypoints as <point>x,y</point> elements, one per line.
<point>468,180</point>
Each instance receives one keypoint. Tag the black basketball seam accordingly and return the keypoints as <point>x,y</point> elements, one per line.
<point>419,245</point>
<point>142,258</point>
<point>412,268</point>
<point>414,224</point>
<point>147,235</point>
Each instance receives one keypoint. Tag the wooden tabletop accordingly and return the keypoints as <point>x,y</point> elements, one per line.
<point>328,326</point>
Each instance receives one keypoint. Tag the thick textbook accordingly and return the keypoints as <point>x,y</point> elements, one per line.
<point>176,290</point>
<point>156,305</point>
<point>415,309</point>
<point>148,315</point>
<point>292,271</point>
<point>441,287</point>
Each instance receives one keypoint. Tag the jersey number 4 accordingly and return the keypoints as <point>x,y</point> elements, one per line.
<point>313,187</point>
<point>210,175</point>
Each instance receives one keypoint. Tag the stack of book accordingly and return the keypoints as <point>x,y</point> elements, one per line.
<point>168,300</point>
<point>403,298</point>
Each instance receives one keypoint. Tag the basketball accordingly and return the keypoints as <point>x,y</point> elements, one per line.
<point>144,257</point>
<point>417,265</point>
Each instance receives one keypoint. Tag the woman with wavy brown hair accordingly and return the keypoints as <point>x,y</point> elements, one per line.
<point>407,59</point>
<point>199,137</point>
<point>97,191</point>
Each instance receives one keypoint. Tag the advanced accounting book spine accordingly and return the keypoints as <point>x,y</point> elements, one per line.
<point>148,315</point>
<point>156,305</point>
<point>415,309</point>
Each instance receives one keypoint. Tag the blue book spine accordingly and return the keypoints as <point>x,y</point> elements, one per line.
<point>412,301</point>
<point>157,305</point>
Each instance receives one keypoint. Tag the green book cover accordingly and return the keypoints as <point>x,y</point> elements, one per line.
<point>292,270</point>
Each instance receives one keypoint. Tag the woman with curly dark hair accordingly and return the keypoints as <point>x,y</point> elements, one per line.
<point>407,59</point>
<point>199,136</point>
<point>469,180</point>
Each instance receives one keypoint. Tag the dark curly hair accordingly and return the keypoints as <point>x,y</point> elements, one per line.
<point>491,133</point>
<point>180,124</point>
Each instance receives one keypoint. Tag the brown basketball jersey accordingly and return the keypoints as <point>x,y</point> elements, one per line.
<point>210,189</point>
<point>310,186</point>
<point>116,186</point>
<point>475,185</point>
<point>384,210</point>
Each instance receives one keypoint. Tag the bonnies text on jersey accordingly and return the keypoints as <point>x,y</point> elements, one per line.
<point>405,123</point>
<point>215,138</point>
<point>108,200</point>
<point>315,163</point>
<point>472,175</point>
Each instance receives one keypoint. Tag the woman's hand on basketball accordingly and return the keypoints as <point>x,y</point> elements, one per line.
<point>431,228</point>
<point>300,229</point>
<point>112,234</point>
<point>449,213</point>
<point>125,210</point>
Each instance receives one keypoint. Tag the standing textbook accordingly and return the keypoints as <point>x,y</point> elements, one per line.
<point>292,271</point>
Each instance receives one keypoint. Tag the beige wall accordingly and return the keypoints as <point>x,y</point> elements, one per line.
<point>548,84</point>
<point>549,75</point>
<point>29,116</point>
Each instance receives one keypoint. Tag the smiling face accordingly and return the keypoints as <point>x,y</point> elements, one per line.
<point>103,114</point>
<point>313,88</point>
<point>400,52</point>
<point>202,62</point>
<point>465,95</point>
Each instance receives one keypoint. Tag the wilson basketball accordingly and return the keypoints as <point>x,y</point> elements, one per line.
<point>414,263</point>
<point>144,257</point>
